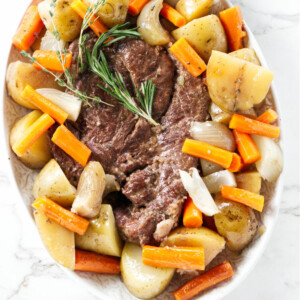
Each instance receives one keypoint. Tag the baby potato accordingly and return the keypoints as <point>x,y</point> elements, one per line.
<point>235,84</point>
<point>236,223</point>
<point>193,9</point>
<point>247,54</point>
<point>142,281</point>
<point>250,181</point>
<point>39,153</point>
<point>102,234</point>
<point>19,74</point>
<point>53,183</point>
<point>204,34</point>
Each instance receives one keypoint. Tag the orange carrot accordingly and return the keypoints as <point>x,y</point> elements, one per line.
<point>185,53</point>
<point>95,24</point>
<point>136,6</point>
<point>32,133</point>
<point>61,215</point>
<point>204,281</point>
<point>247,198</point>
<point>45,105</point>
<point>268,116</point>
<point>68,142</point>
<point>97,263</point>
<point>172,15</point>
<point>208,152</point>
<point>236,164</point>
<point>192,216</point>
<point>29,29</point>
<point>51,60</point>
<point>246,147</point>
<point>232,22</point>
<point>188,258</point>
<point>247,125</point>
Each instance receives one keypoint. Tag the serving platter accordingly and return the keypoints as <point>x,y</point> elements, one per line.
<point>111,287</point>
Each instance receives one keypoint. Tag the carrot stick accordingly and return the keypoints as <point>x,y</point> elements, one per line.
<point>32,133</point>
<point>29,29</point>
<point>247,125</point>
<point>61,215</point>
<point>247,198</point>
<point>68,142</point>
<point>208,152</point>
<point>93,262</point>
<point>51,60</point>
<point>268,116</point>
<point>192,216</point>
<point>95,24</point>
<point>136,6</point>
<point>246,147</point>
<point>44,104</point>
<point>204,281</point>
<point>172,15</point>
<point>185,53</point>
<point>188,258</point>
<point>232,22</point>
<point>236,164</point>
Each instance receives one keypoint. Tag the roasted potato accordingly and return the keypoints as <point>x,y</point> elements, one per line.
<point>236,223</point>
<point>39,153</point>
<point>142,281</point>
<point>65,20</point>
<point>218,115</point>
<point>102,234</point>
<point>89,191</point>
<point>193,9</point>
<point>204,34</point>
<point>211,242</point>
<point>208,167</point>
<point>53,183</point>
<point>250,181</point>
<point>19,74</point>
<point>247,54</point>
<point>58,240</point>
<point>235,84</point>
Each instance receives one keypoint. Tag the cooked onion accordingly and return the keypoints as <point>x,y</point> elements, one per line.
<point>149,24</point>
<point>67,102</point>
<point>111,185</point>
<point>214,181</point>
<point>198,191</point>
<point>271,163</point>
<point>49,42</point>
<point>213,133</point>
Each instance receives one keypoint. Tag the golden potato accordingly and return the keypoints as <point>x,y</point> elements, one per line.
<point>204,34</point>
<point>58,240</point>
<point>218,115</point>
<point>19,74</point>
<point>247,54</point>
<point>39,153</point>
<point>211,242</point>
<point>102,234</point>
<point>235,84</point>
<point>53,183</point>
<point>250,181</point>
<point>65,20</point>
<point>144,282</point>
<point>193,9</point>
<point>236,223</point>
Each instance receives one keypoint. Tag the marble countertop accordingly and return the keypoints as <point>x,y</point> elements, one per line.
<point>27,272</point>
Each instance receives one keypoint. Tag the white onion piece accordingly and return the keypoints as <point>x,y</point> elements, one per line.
<point>111,185</point>
<point>198,191</point>
<point>149,24</point>
<point>271,163</point>
<point>49,42</point>
<point>213,133</point>
<point>67,102</point>
<point>209,167</point>
<point>214,181</point>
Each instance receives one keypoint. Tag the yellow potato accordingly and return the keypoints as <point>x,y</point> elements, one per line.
<point>53,183</point>
<point>193,9</point>
<point>144,282</point>
<point>235,84</point>
<point>247,54</point>
<point>19,74</point>
<point>218,115</point>
<point>204,34</point>
<point>211,242</point>
<point>102,234</point>
<point>39,153</point>
<point>58,240</point>
<point>250,181</point>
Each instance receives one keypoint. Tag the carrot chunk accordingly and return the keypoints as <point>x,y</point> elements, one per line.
<point>192,216</point>
<point>172,15</point>
<point>136,6</point>
<point>236,164</point>
<point>268,116</point>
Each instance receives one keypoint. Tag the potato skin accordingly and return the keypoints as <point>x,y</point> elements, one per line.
<point>236,223</point>
<point>193,9</point>
<point>250,181</point>
<point>39,153</point>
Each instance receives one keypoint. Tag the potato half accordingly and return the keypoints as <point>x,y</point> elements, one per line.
<point>193,9</point>
<point>250,181</point>
<point>247,54</point>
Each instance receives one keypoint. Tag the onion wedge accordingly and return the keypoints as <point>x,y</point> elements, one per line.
<point>214,181</point>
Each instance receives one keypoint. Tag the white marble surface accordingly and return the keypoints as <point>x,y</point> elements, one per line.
<point>27,272</point>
